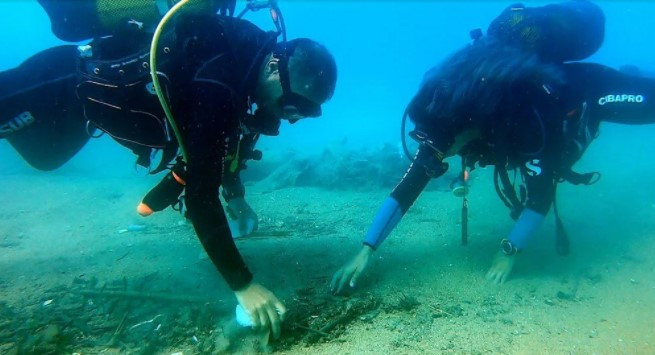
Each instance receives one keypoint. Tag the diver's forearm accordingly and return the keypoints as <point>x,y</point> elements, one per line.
<point>384,222</point>
<point>525,228</point>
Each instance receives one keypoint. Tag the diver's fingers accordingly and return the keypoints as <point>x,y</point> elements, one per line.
<point>499,278</point>
<point>493,276</point>
<point>274,320</point>
<point>255,318</point>
<point>356,274</point>
<point>281,310</point>
<point>503,277</point>
<point>492,279</point>
<point>345,276</point>
<point>262,312</point>
<point>335,280</point>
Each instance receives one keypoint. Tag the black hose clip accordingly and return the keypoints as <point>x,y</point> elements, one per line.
<point>424,139</point>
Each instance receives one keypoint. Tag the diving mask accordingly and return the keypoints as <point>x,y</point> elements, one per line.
<point>292,105</point>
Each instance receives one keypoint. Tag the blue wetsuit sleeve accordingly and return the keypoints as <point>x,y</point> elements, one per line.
<point>395,206</point>
<point>526,226</point>
<point>384,222</point>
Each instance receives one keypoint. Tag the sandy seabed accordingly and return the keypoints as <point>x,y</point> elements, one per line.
<point>62,256</point>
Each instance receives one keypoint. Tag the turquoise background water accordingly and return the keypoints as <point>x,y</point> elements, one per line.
<point>382,49</point>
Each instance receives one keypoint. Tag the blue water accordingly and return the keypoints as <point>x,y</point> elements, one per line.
<point>382,49</point>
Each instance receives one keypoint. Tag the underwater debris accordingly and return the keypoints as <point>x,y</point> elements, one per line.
<point>401,302</point>
<point>438,312</point>
<point>133,228</point>
<point>407,303</point>
<point>129,316</point>
<point>567,296</point>
<point>151,296</point>
<point>315,317</point>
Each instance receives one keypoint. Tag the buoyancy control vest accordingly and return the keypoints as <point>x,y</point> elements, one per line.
<point>116,91</point>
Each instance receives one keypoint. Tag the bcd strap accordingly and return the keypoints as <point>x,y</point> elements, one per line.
<point>116,91</point>
<point>128,113</point>
<point>507,193</point>
<point>168,154</point>
<point>580,178</point>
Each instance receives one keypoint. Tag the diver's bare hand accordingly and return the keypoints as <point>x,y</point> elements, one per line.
<point>501,267</point>
<point>350,272</point>
<point>265,310</point>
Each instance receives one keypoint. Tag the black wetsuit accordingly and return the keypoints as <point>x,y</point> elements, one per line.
<point>550,128</point>
<point>209,71</point>
<point>215,78</point>
<point>238,155</point>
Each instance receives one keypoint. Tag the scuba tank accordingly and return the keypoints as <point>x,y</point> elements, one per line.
<point>567,31</point>
<point>77,20</point>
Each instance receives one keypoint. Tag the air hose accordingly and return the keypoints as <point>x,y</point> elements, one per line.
<point>155,78</point>
<point>403,135</point>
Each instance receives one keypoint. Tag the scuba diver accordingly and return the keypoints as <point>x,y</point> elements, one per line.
<point>514,99</point>
<point>197,81</point>
<point>100,18</point>
<point>58,123</point>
